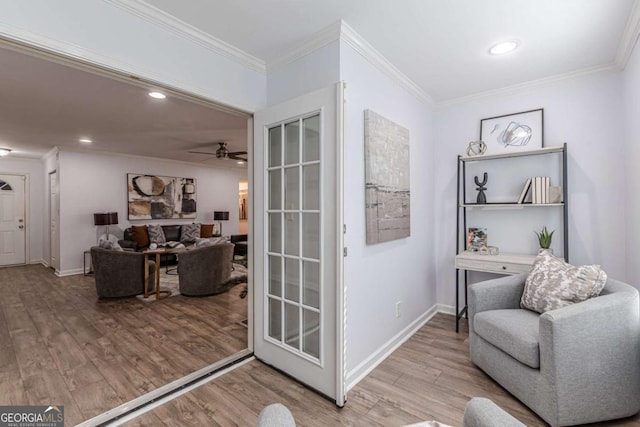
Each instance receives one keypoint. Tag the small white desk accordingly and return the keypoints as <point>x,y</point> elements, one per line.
<point>505,263</point>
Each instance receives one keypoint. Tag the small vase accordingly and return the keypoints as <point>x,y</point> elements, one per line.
<point>547,250</point>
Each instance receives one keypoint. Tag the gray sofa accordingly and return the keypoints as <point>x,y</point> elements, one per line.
<point>120,273</point>
<point>205,271</point>
<point>574,365</point>
<point>479,412</point>
<point>482,412</point>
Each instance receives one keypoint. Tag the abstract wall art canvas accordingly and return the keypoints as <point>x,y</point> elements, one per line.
<point>160,197</point>
<point>387,195</point>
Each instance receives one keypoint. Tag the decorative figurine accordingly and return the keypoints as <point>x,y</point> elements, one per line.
<point>476,148</point>
<point>482,199</point>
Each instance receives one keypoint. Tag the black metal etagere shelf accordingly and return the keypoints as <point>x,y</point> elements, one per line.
<point>503,263</point>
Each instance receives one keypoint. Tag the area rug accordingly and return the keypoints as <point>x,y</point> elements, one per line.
<point>170,282</point>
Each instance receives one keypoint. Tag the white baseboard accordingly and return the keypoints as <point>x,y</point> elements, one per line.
<point>446,309</point>
<point>72,272</point>
<point>39,261</point>
<point>370,363</point>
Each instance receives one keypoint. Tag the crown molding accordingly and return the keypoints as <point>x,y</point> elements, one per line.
<point>371,54</point>
<point>180,28</point>
<point>341,31</point>
<point>629,37</point>
<point>319,40</point>
<point>526,86</point>
<point>75,56</point>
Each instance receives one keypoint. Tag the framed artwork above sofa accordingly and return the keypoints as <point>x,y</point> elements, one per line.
<point>160,197</point>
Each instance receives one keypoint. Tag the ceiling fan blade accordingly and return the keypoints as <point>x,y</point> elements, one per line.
<point>235,153</point>
<point>202,152</point>
<point>234,157</point>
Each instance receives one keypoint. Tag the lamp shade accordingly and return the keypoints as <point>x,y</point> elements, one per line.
<point>108,218</point>
<point>221,215</point>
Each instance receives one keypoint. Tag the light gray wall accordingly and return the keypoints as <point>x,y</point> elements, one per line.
<point>97,183</point>
<point>631,91</point>
<point>311,72</point>
<point>378,276</point>
<point>588,114</point>
<point>33,169</point>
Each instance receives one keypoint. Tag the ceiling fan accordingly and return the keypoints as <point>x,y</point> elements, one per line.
<point>223,153</point>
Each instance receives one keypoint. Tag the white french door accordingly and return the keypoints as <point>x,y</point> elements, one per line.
<point>12,220</point>
<point>298,239</point>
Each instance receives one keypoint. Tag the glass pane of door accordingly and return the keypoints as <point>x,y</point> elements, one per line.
<point>294,309</point>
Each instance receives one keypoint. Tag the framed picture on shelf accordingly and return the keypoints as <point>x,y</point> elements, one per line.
<point>513,132</point>
<point>476,238</point>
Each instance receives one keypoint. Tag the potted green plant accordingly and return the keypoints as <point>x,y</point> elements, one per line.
<point>544,239</point>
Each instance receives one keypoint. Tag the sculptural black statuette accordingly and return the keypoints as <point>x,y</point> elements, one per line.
<point>482,198</point>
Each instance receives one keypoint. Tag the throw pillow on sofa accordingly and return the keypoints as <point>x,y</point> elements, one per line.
<point>112,246</point>
<point>189,233</point>
<point>206,230</point>
<point>140,235</point>
<point>201,242</point>
<point>553,284</point>
<point>156,234</point>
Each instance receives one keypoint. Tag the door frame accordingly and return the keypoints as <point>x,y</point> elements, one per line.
<point>27,216</point>
<point>51,216</point>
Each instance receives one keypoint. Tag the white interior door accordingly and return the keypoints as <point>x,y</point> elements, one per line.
<point>298,239</point>
<point>12,220</point>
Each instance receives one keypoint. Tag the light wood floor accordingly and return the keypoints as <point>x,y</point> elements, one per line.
<point>60,345</point>
<point>429,378</point>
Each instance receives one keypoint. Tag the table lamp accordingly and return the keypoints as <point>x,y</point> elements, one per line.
<point>221,216</point>
<point>105,219</point>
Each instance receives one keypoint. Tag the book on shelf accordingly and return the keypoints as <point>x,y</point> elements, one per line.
<point>540,186</point>
<point>525,190</point>
<point>545,191</point>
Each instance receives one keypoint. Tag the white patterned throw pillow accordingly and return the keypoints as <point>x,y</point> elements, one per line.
<point>189,233</point>
<point>156,234</point>
<point>553,284</point>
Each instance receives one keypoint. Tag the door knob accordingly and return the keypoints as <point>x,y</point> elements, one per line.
<point>21,227</point>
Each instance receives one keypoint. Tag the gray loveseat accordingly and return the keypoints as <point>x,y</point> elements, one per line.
<point>574,365</point>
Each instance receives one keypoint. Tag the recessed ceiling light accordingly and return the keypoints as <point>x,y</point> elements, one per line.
<point>85,140</point>
<point>157,95</point>
<point>4,151</point>
<point>240,162</point>
<point>503,47</point>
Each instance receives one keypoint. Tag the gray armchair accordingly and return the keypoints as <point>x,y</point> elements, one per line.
<point>575,365</point>
<point>206,270</point>
<point>120,273</point>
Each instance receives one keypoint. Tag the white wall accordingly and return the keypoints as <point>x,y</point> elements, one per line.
<point>307,74</point>
<point>100,31</point>
<point>92,183</point>
<point>377,276</point>
<point>35,222</point>
<point>631,91</point>
<point>588,114</point>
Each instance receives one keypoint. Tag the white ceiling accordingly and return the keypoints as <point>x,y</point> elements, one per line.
<point>46,104</point>
<point>441,45</point>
